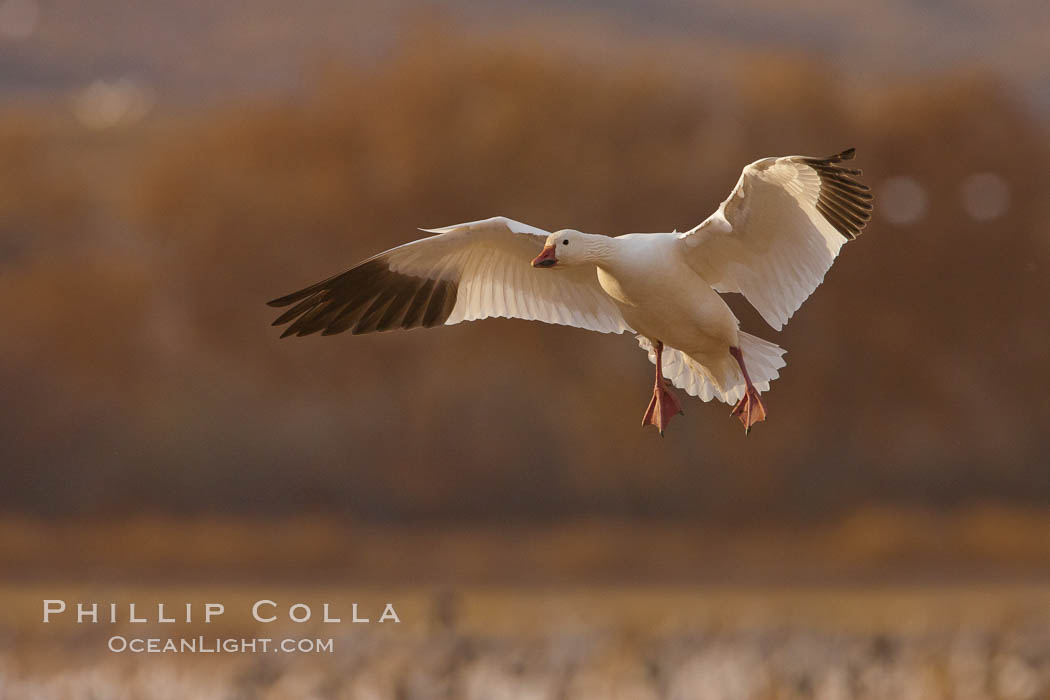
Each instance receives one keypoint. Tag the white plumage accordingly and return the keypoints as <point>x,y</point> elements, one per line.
<point>763,360</point>
<point>773,240</point>
<point>495,279</point>
<point>770,241</point>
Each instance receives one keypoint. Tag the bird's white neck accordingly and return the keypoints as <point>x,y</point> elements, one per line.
<point>600,249</point>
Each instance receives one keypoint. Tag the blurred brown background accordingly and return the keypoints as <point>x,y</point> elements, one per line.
<point>165,172</point>
<point>166,168</point>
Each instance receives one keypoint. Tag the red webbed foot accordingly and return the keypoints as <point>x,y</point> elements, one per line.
<point>749,409</point>
<point>662,408</point>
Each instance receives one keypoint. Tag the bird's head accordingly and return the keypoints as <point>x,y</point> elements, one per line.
<point>564,248</point>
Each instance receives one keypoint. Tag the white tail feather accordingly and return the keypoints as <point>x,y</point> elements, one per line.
<point>762,358</point>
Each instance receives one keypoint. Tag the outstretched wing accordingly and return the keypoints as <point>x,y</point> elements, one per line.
<point>463,273</point>
<point>779,231</point>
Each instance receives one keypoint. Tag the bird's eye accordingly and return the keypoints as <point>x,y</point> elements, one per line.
<point>565,242</point>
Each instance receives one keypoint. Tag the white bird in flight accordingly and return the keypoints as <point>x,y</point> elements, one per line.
<point>772,241</point>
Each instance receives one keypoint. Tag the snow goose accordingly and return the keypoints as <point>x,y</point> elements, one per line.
<point>772,241</point>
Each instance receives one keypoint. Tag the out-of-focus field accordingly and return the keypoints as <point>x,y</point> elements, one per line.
<point>883,604</point>
<point>883,535</point>
<point>599,642</point>
<point>877,545</point>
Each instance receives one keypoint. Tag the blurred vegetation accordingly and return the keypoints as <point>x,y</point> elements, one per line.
<point>875,545</point>
<point>644,643</point>
<point>140,373</point>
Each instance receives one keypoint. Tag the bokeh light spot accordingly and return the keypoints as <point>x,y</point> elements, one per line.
<point>985,196</point>
<point>18,18</point>
<point>902,200</point>
<point>103,104</point>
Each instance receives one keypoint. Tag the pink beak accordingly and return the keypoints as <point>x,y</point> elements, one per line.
<point>545,258</point>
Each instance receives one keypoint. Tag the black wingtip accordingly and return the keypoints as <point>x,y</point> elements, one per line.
<point>848,154</point>
<point>288,298</point>
<point>843,201</point>
<point>365,299</point>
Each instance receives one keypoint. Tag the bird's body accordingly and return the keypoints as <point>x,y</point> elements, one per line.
<point>677,306</point>
<point>772,240</point>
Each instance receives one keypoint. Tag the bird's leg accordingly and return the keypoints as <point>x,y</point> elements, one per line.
<point>749,408</point>
<point>663,405</point>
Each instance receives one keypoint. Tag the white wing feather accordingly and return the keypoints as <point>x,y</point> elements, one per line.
<point>466,272</point>
<point>491,261</point>
<point>778,233</point>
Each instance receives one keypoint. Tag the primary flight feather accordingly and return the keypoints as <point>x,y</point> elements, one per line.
<point>772,240</point>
